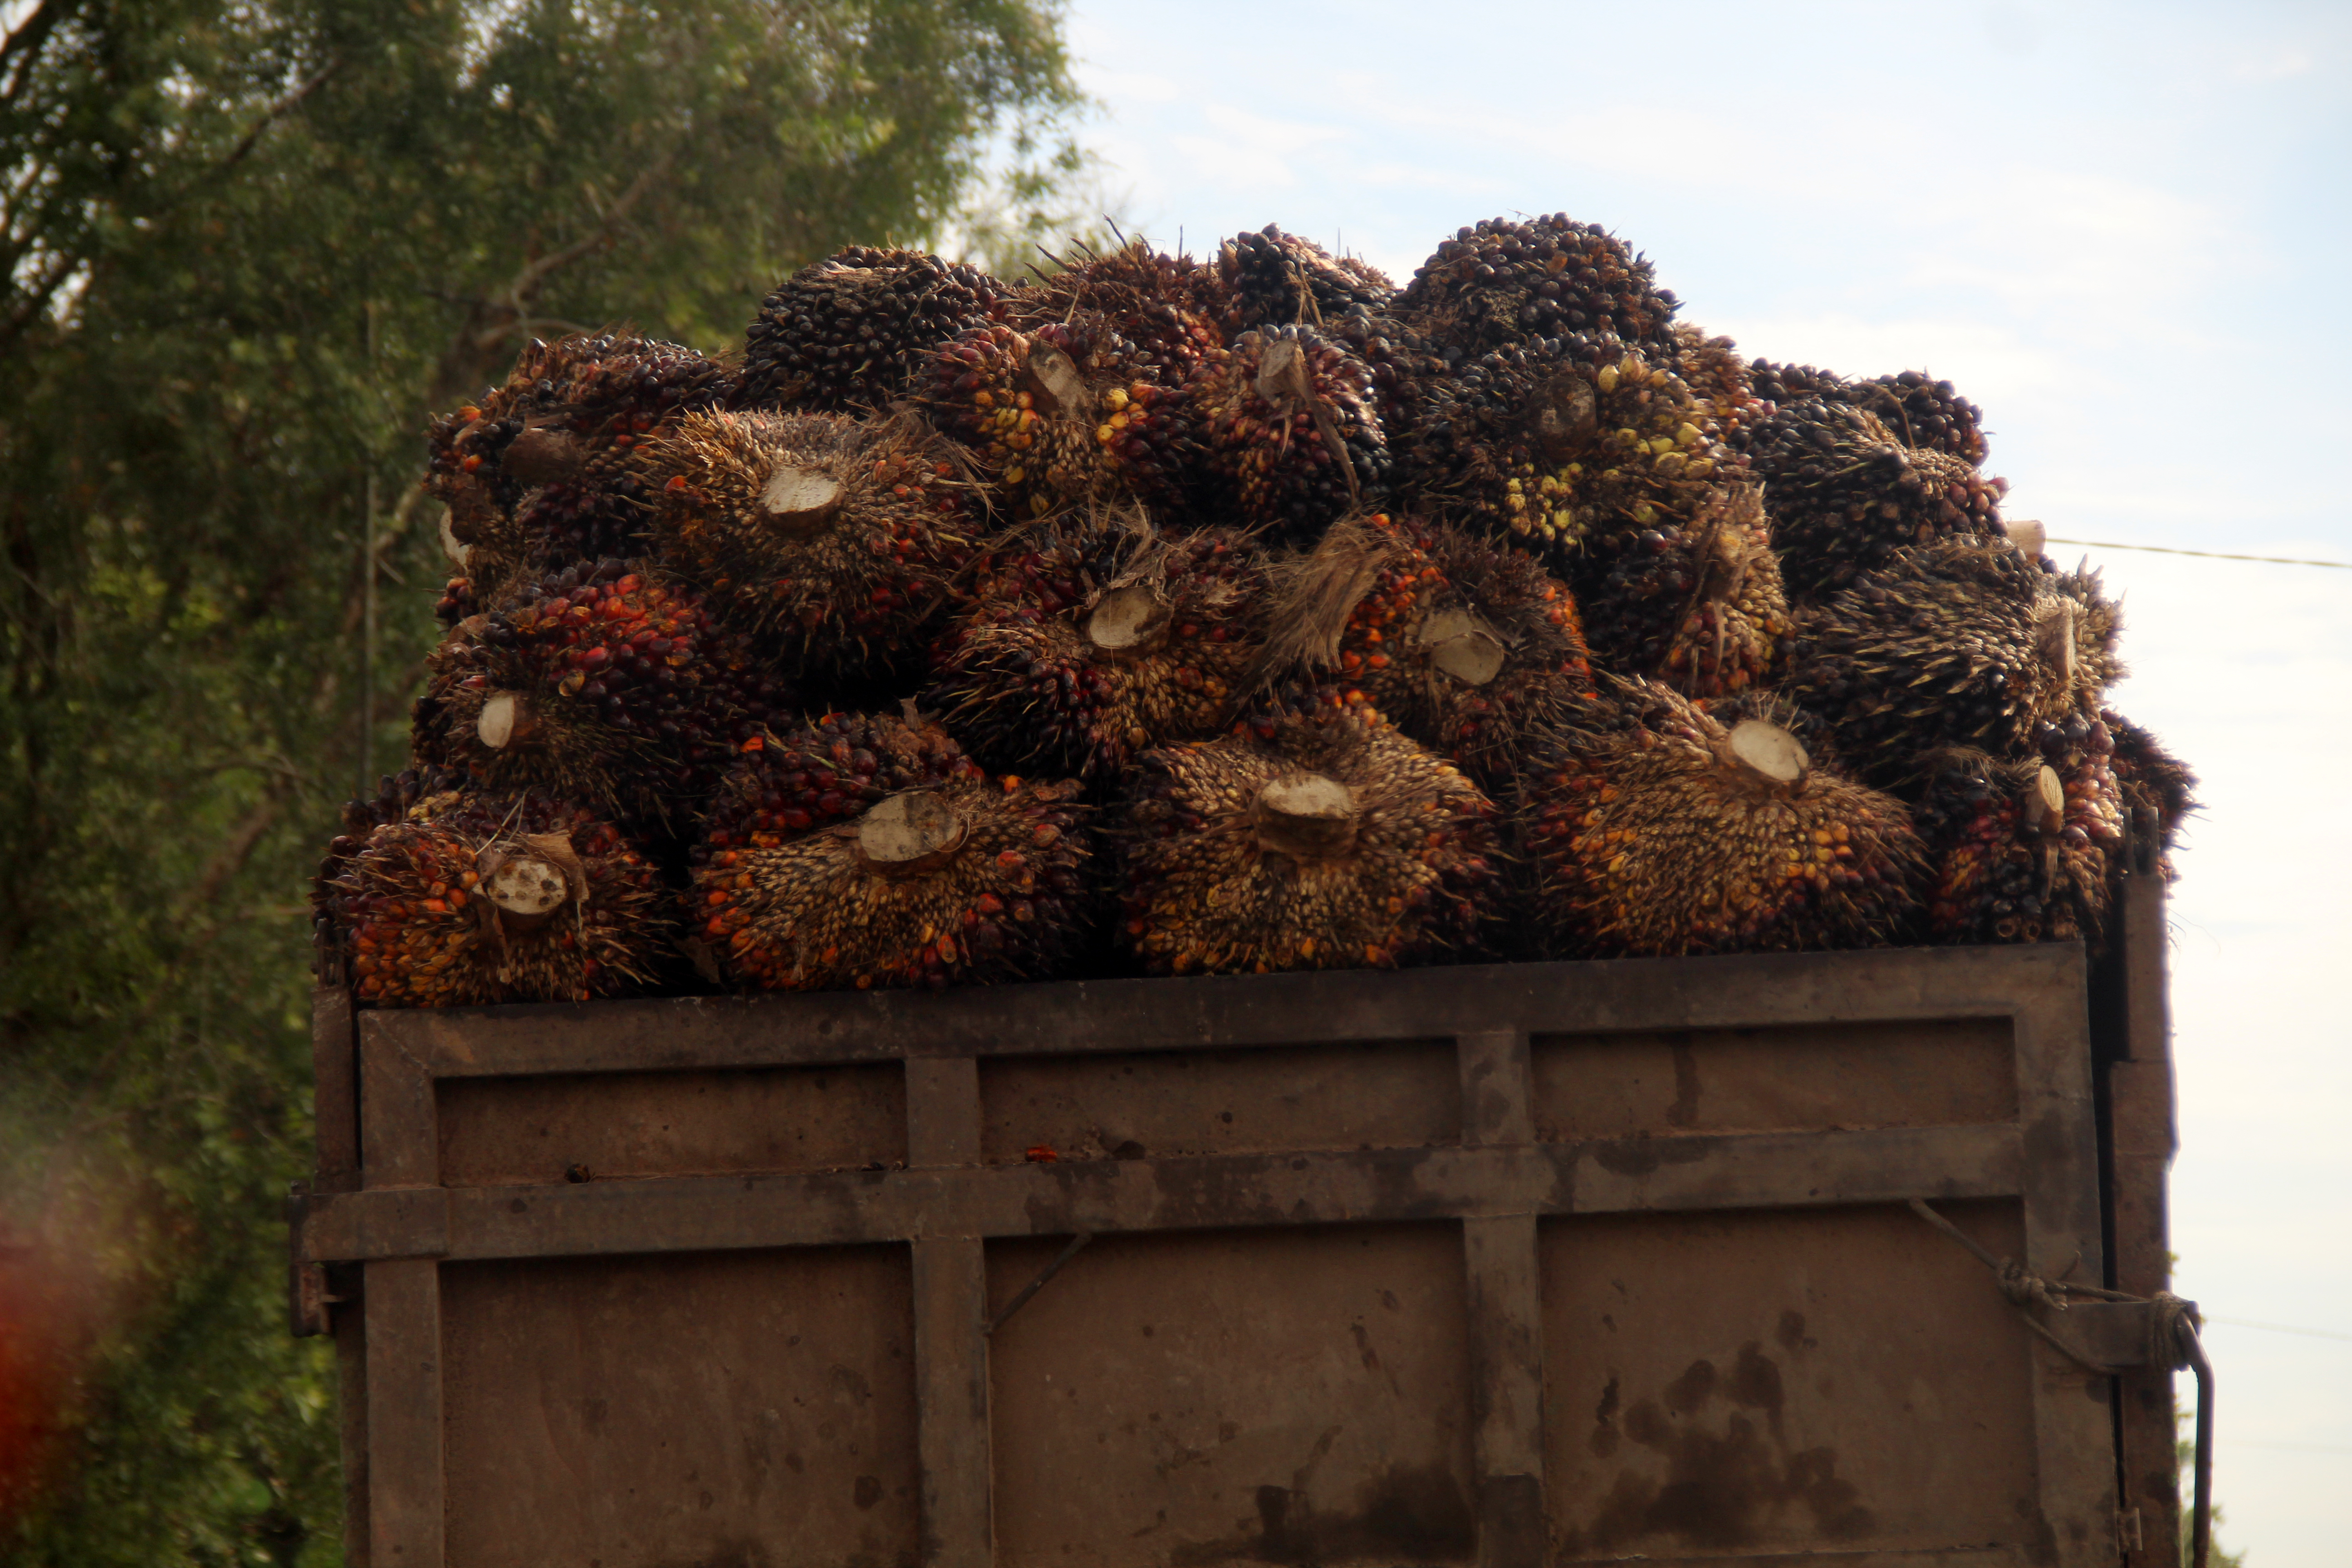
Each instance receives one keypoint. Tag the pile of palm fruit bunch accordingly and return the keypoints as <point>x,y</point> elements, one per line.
<point>1160,616</point>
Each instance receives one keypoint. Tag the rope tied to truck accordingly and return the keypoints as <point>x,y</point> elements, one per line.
<point>2172,1344</point>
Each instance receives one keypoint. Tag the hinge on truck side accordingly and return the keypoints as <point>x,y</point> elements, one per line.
<point>2129,1537</point>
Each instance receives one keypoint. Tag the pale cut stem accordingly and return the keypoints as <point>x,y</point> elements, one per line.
<point>911,833</point>
<point>2045,802</point>
<point>1282,372</point>
<point>1128,617</point>
<point>1463,646</point>
<point>2055,637</point>
<point>1052,380</point>
<point>506,720</point>
<point>1767,753</point>
<point>456,549</point>
<point>799,499</point>
<point>527,891</point>
<point>1310,815</point>
<point>2027,534</point>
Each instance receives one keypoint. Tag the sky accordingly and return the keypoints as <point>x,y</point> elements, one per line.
<point>2123,231</point>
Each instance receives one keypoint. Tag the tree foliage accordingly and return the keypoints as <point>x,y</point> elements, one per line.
<point>246,248</point>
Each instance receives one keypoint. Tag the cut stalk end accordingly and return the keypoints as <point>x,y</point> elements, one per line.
<point>1282,374</point>
<point>543,457</point>
<point>800,500</point>
<point>909,834</point>
<point>506,720</point>
<point>1128,619</point>
<point>1463,646</point>
<point>1308,816</point>
<point>1767,753</point>
<point>2027,534</point>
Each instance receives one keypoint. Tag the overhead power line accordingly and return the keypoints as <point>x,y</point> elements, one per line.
<point>2204,554</point>
<point>2280,1328</point>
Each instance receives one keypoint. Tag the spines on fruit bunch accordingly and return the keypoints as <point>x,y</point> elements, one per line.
<point>439,895</point>
<point>838,541</point>
<point>1505,281</point>
<point>610,684</point>
<point>1320,838</point>
<point>1964,642</point>
<point>1290,430</point>
<point>867,850</point>
<point>1466,645</point>
<point>1656,825</point>
<point>857,330</point>
<point>1093,638</point>
<point>2156,786</point>
<point>1068,414</point>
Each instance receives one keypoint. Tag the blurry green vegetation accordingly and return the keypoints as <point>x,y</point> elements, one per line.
<point>248,247</point>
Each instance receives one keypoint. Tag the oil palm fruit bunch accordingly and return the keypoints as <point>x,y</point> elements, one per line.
<point>1465,645</point>
<point>1095,638</point>
<point>2156,786</point>
<point>1407,367</point>
<point>858,328</point>
<point>2020,849</point>
<point>1165,305</point>
<point>537,473</point>
<point>1277,279</point>
<point>460,898</point>
<point>1657,827</point>
<point>1711,367</point>
<point>869,851</point>
<point>1070,413</point>
<point>1961,643</point>
<point>1565,441</point>
<point>1290,428</point>
<point>1923,411</point>
<point>1320,838</point>
<point>606,683</point>
<point>1506,281</point>
<point>1845,493</point>
<point>838,539</point>
<point>1697,603</point>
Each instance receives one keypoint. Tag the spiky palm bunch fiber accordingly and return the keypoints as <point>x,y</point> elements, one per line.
<point>1317,839</point>
<point>857,329</point>
<point>869,851</point>
<point>1661,827</point>
<point>609,684</point>
<point>1290,429</point>
<point>837,539</point>
<point>1505,281</point>
<point>461,898</point>
<point>1070,413</point>
<point>1465,645</point>
<point>1093,637</point>
<point>1961,643</point>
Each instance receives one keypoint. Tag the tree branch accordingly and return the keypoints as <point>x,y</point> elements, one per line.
<point>277,111</point>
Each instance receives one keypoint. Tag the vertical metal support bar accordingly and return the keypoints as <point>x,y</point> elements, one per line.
<point>1506,1314</point>
<point>2140,1099</point>
<point>2073,1429</point>
<point>405,1510</point>
<point>950,1275</point>
<point>335,1089</point>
